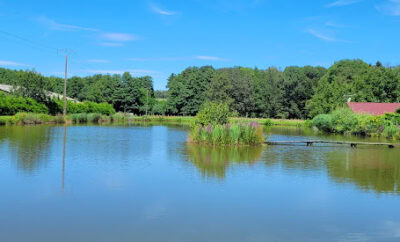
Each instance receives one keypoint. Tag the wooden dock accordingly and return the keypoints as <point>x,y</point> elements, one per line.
<point>352,144</point>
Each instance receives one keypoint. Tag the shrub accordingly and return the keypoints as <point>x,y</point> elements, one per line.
<point>390,131</point>
<point>345,121</point>
<point>268,123</point>
<point>11,105</point>
<point>32,118</point>
<point>323,122</point>
<point>57,106</point>
<point>213,113</point>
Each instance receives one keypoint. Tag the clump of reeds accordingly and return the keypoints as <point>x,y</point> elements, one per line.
<point>228,134</point>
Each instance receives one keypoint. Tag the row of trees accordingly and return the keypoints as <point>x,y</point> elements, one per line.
<point>124,92</point>
<point>249,92</point>
<point>295,92</point>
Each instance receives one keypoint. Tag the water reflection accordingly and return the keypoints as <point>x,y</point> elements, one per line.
<point>63,156</point>
<point>214,161</point>
<point>370,169</point>
<point>28,145</point>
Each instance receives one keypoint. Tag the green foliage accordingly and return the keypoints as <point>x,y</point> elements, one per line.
<point>30,84</point>
<point>344,121</point>
<point>84,107</point>
<point>268,123</point>
<point>10,105</point>
<point>213,113</point>
<point>235,134</point>
<point>187,91</point>
<point>32,118</point>
<point>365,83</point>
<point>323,122</point>
<point>159,107</point>
<point>294,93</point>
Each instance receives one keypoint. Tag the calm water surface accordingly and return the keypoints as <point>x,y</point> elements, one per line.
<point>146,184</point>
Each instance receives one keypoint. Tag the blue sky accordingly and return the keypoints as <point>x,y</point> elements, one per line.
<point>158,38</point>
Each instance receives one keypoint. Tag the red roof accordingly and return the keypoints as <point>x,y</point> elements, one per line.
<point>374,108</point>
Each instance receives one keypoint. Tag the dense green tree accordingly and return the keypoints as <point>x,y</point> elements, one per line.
<point>298,87</point>
<point>187,91</point>
<point>268,93</point>
<point>357,80</point>
<point>30,84</point>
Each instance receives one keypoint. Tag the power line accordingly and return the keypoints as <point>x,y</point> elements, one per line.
<point>28,42</point>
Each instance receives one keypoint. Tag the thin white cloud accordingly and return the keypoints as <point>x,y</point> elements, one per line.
<point>159,58</point>
<point>390,7</point>
<point>98,61</point>
<point>321,36</point>
<point>340,3</point>
<point>118,37</point>
<point>105,71</point>
<point>335,25</point>
<point>53,25</point>
<point>111,44</point>
<point>198,57</point>
<point>11,63</point>
<point>162,11</point>
<point>132,71</point>
<point>209,58</point>
<point>106,38</point>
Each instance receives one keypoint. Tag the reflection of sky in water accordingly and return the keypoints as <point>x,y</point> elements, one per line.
<point>147,184</point>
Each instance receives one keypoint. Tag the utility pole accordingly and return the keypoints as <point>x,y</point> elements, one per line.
<point>67,53</point>
<point>147,100</point>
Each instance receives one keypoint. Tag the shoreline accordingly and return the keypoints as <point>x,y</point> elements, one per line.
<point>120,118</point>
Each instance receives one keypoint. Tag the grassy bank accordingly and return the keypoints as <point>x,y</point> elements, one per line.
<point>82,118</point>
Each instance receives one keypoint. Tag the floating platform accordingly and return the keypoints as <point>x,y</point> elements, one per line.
<point>311,142</point>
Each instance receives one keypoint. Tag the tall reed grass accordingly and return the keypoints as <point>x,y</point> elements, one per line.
<point>228,134</point>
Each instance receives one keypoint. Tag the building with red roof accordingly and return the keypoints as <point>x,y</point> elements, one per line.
<point>373,108</point>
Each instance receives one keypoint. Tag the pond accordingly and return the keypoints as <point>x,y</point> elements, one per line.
<point>145,183</point>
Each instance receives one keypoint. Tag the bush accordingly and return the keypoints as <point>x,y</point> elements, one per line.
<point>344,121</point>
<point>268,123</point>
<point>213,113</point>
<point>323,122</point>
<point>57,107</point>
<point>11,105</point>
<point>32,118</point>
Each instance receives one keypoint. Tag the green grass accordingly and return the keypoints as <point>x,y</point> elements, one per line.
<point>30,119</point>
<point>120,118</point>
<point>270,122</point>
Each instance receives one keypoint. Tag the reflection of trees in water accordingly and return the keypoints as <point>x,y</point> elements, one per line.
<point>29,143</point>
<point>370,169</point>
<point>374,169</point>
<point>294,157</point>
<point>214,161</point>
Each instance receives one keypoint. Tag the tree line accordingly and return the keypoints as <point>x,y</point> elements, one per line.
<point>294,92</point>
